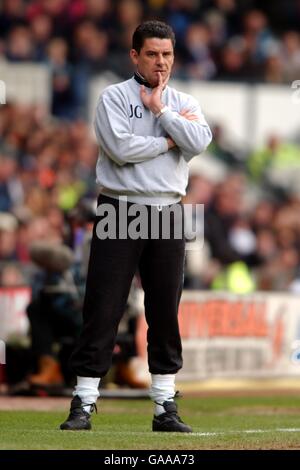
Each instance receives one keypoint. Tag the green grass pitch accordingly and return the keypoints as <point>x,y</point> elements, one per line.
<point>219,423</point>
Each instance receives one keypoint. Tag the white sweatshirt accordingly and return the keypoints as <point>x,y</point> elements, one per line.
<point>134,160</point>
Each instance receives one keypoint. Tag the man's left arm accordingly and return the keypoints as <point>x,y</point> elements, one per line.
<point>191,135</point>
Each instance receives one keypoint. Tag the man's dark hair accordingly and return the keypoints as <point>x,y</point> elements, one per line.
<point>151,29</point>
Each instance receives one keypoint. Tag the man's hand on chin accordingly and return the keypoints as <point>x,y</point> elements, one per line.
<point>152,100</point>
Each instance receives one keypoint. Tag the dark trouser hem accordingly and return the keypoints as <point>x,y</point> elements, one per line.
<point>157,372</point>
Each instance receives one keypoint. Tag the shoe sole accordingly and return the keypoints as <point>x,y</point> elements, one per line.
<point>74,429</point>
<point>171,430</point>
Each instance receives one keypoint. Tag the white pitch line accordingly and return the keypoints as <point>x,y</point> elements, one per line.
<point>242,431</point>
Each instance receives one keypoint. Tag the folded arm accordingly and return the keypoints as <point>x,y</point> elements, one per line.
<point>187,128</point>
<point>189,131</point>
<point>112,130</point>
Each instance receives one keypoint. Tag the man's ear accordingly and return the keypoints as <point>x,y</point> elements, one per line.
<point>134,56</point>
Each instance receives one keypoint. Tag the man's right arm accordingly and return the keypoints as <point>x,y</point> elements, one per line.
<point>114,136</point>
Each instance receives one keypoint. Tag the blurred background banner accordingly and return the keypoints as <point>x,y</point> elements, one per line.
<point>27,83</point>
<point>231,336</point>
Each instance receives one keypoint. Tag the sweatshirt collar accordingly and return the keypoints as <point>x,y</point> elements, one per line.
<point>141,80</point>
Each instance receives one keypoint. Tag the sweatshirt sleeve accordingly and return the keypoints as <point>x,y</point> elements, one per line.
<point>192,137</point>
<point>113,134</point>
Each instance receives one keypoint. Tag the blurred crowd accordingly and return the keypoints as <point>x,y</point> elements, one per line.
<point>245,40</point>
<point>46,170</point>
<point>47,208</point>
<point>47,161</point>
<point>48,193</point>
<point>47,205</point>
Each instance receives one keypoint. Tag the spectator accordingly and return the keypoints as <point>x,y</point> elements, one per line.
<point>11,276</point>
<point>290,56</point>
<point>8,237</point>
<point>20,45</point>
<point>198,61</point>
<point>276,164</point>
<point>53,312</point>
<point>12,14</point>
<point>63,99</point>
<point>11,193</point>
<point>41,29</point>
<point>224,150</point>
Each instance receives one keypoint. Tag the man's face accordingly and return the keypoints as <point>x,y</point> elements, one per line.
<point>156,56</point>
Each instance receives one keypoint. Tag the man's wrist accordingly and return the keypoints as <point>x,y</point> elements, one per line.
<point>162,110</point>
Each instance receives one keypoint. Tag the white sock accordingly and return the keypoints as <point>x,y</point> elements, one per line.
<point>162,389</point>
<point>87,390</point>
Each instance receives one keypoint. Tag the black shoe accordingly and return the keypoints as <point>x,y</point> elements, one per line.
<point>169,421</point>
<point>78,419</point>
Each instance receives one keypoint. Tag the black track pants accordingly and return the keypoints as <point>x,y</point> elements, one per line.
<point>112,265</point>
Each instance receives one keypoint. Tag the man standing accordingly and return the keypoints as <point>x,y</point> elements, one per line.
<point>147,132</point>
